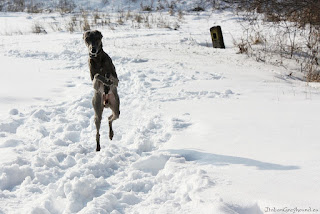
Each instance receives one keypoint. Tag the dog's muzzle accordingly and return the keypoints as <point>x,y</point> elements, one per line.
<point>93,55</point>
<point>94,52</point>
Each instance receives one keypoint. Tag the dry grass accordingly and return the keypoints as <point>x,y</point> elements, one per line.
<point>37,29</point>
<point>297,34</point>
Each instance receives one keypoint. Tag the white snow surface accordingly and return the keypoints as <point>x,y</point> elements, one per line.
<point>201,130</point>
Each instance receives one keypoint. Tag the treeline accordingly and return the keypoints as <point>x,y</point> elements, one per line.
<point>299,11</point>
<point>69,6</point>
<point>34,6</point>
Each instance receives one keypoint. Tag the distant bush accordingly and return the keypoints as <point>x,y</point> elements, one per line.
<point>198,9</point>
<point>37,28</point>
<point>297,32</point>
<point>66,6</point>
<point>105,2</point>
<point>302,12</point>
<point>146,7</point>
<point>85,24</point>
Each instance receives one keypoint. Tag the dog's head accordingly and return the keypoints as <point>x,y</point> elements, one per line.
<point>93,42</point>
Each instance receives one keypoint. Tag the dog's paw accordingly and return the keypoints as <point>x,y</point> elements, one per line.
<point>110,135</point>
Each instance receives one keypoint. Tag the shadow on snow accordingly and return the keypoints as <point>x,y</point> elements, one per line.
<point>220,160</point>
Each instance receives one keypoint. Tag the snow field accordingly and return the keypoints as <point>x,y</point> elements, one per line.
<point>52,166</point>
<point>200,131</point>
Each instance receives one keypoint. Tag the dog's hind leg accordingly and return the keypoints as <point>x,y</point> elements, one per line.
<point>111,118</point>
<point>97,103</point>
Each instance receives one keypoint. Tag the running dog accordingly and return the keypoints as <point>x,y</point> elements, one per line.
<point>105,82</point>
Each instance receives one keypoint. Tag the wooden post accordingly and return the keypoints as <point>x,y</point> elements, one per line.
<point>217,38</point>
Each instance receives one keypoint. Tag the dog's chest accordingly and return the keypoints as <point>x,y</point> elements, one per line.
<point>95,64</point>
<point>98,67</point>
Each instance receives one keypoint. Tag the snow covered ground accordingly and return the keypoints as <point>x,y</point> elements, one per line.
<point>201,130</point>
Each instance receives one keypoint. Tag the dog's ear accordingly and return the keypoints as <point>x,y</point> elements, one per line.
<point>85,34</point>
<point>100,34</point>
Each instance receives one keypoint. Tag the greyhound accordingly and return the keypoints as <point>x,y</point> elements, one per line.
<point>105,82</point>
